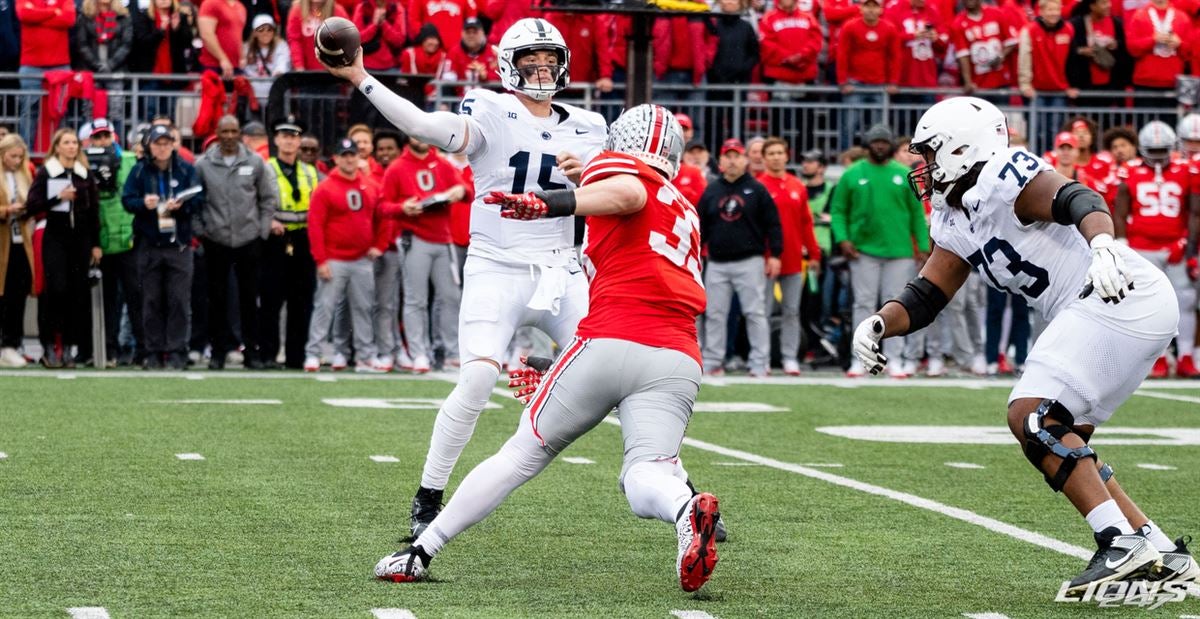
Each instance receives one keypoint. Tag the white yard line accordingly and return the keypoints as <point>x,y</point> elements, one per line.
<point>267,402</point>
<point>1156,467</point>
<point>385,458</point>
<point>392,613</point>
<point>957,513</point>
<point>189,456</point>
<point>963,465</point>
<point>692,614</point>
<point>3,455</point>
<point>577,460</point>
<point>1167,396</point>
<point>88,612</point>
<point>985,615</point>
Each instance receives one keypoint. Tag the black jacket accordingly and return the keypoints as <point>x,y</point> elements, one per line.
<point>737,51</point>
<point>87,47</point>
<point>146,179</point>
<point>739,220</point>
<point>84,214</point>
<point>1079,73</point>
<point>147,37</point>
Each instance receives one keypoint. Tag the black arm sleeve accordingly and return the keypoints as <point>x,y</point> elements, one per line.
<point>1073,202</point>
<point>923,300</point>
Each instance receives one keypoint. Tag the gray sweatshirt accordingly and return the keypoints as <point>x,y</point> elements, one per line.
<point>240,198</point>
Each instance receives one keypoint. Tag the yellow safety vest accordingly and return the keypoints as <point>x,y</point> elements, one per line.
<point>306,175</point>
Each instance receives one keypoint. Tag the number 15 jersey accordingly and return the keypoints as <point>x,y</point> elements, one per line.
<point>513,151</point>
<point>1045,262</point>
<point>646,285</point>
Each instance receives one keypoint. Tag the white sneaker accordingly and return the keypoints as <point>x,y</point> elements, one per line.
<point>404,361</point>
<point>979,365</point>
<point>235,357</point>
<point>403,566</point>
<point>312,364</point>
<point>696,529</point>
<point>993,369</point>
<point>384,363</point>
<point>420,365</point>
<point>367,367</point>
<point>898,371</point>
<point>11,358</point>
<point>937,367</point>
<point>907,368</point>
<point>339,362</point>
<point>791,367</point>
<point>856,369</point>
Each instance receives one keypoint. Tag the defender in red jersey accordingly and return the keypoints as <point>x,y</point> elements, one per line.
<point>1155,206</point>
<point>636,350</point>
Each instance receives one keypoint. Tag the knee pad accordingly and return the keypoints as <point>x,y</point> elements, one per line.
<point>1042,441</point>
<point>475,383</point>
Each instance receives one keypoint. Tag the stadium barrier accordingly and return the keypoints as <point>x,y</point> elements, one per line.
<point>808,116</point>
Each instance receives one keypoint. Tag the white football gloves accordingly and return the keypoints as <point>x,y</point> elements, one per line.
<point>1107,274</point>
<point>866,343</point>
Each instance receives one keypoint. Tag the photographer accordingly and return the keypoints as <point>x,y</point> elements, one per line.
<point>110,165</point>
<point>157,193</point>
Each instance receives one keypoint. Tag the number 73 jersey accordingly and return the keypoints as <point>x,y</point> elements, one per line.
<point>1045,262</point>
<point>644,266</point>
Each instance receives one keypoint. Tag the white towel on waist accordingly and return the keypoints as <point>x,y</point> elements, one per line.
<point>551,288</point>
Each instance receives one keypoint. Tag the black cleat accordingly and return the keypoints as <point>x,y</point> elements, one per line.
<point>1119,557</point>
<point>426,505</point>
<point>720,534</point>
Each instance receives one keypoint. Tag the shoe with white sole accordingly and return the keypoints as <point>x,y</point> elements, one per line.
<point>404,361</point>
<point>420,365</point>
<point>937,367</point>
<point>312,363</point>
<point>407,565</point>
<point>11,358</point>
<point>384,363</point>
<point>1177,565</point>
<point>696,528</point>
<point>1119,557</point>
<point>367,367</point>
<point>791,367</point>
<point>856,369</point>
<point>907,368</point>
<point>338,363</point>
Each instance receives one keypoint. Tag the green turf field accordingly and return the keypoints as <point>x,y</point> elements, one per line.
<point>287,513</point>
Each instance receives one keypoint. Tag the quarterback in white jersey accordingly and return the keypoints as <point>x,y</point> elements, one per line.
<point>1030,231</point>
<point>518,273</point>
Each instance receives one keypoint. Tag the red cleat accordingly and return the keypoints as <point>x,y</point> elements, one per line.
<point>1186,368</point>
<point>1160,369</point>
<point>697,541</point>
<point>1003,366</point>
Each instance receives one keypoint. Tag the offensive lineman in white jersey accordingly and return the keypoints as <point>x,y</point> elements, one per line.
<point>517,273</point>
<point>1031,231</point>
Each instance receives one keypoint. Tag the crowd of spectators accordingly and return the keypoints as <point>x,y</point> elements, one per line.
<point>1049,50</point>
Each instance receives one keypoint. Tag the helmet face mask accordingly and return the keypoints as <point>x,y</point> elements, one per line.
<point>526,37</point>
<point>955,138</point>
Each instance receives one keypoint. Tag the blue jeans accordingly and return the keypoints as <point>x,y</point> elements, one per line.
<point>857,121</point>
<point>1018,335</point>
<point>27,105</point>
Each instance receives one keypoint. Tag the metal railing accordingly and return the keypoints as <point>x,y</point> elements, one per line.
<point>807,116</point>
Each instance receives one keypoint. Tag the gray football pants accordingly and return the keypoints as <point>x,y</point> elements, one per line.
<point>790,287</point>
<point>384,313</point>
<point>875,281</point>
<point>354,282</point>
<point>425,261</point>
<point>721,281</point>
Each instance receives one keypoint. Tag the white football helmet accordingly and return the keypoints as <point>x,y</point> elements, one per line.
<point>1188,130</point>
<point>532,34</point>
<point>953,137</point>
<point>650,133</point>
<point>1155,141</point>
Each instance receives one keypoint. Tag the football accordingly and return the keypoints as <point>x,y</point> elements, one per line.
<point>337,42</point>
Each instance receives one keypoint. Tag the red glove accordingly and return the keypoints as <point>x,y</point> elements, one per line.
<point>523,206</point>
<point>1193,268</point>
<point>525,381</point>
<point>1175,256</point>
